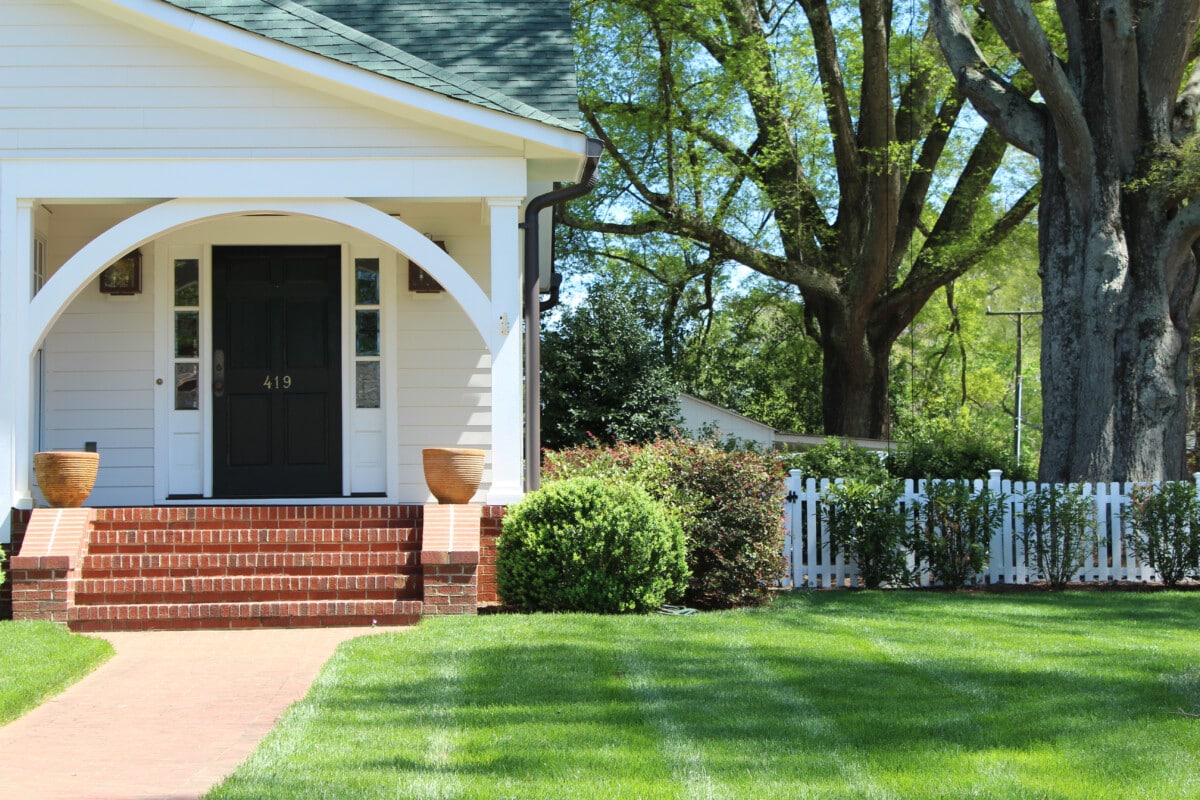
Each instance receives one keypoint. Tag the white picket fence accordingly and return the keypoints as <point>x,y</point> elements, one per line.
<point>811,565</point>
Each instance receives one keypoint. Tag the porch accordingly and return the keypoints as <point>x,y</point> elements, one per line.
<point>194,567</point>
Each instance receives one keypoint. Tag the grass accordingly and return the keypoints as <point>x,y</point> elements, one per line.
<point>40,659</point>
<point>824,695</point>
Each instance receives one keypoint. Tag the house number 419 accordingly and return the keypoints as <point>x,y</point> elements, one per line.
<point>277,382</point>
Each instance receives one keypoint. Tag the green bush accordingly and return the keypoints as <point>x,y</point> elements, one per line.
<point>863,519</point>
<point>1166,529</point>
<point>730,504</point>
<point>953,529</point>
<point>837,458</point>
<point>1060,531</point>
<point>590,545</point>
<point>954,448</point>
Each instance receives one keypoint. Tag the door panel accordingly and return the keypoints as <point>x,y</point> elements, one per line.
<point>277,412</point>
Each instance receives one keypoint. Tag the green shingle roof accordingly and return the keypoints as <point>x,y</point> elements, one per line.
<point>513,56</point>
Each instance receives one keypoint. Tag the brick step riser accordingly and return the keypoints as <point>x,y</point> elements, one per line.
<point>185,598</point>
<point>107,626</point>
<point>341,526</point>
<point>244,615</point>
<point>244,534</point>
<point>183,548</point>
<point>229,589</point>
<point>186,564</point>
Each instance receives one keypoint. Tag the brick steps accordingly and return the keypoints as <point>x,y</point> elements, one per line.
<point>111,569</point>
<point>235,588</point>
<point>249,567</point>
<point>182,616</point>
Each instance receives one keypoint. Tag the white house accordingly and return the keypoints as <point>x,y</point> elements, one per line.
<point>262,177</point>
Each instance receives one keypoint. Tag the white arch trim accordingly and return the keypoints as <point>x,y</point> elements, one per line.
<point>163,218</point>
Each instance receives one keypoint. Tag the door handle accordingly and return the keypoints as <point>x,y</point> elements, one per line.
<point>218,373</point>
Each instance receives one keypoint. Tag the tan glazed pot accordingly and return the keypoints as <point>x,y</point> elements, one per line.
<point>66,478</point>
<point>453,473</point>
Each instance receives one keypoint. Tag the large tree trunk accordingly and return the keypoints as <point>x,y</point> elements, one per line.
<point>854,385</point>
<point>1115,341</point>
<point>1118,225</point>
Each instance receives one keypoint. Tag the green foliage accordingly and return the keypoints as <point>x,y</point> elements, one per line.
<point>603,377</point>
<point>730,505</point>
<point>952,448</point>
<point>952,531</point>
<point>863,519</point>
<point>1060,531</point>
<point>1166,529</point>
<point>756,358</point>
<point>590,545</point>
<point>837,458</point>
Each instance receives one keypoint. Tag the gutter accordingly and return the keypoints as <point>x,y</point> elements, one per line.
<point>533,307</point>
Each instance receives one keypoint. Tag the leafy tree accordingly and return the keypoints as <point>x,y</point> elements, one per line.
<point>823,148</point>
<point>1113,127</point>
<point>603,377</point>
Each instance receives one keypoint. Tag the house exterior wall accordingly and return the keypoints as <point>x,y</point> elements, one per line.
<point>699,415</point>
<point>77,83</point>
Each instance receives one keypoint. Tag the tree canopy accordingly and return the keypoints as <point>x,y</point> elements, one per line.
<point>822,147</point>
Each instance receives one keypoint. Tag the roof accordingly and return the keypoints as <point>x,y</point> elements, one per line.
<point>513,56</point>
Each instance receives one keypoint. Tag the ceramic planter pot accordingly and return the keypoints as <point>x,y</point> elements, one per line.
<point>66,478</point>
<point>453,473</point>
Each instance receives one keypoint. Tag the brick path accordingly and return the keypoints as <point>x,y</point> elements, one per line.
<point>169,716</point>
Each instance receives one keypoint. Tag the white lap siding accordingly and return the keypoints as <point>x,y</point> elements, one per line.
<point>77,83</point>
<point>98,386</point>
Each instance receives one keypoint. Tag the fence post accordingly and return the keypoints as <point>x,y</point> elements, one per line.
<point>996,559</point>
<point>793,511</point>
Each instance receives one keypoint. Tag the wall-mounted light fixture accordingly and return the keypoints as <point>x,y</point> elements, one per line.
<point>419,280</point>
<point>123,276</point>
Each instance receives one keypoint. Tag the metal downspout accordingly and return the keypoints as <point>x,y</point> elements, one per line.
<point>533,308</point>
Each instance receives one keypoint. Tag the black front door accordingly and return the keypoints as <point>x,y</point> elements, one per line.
<point>277,429</point>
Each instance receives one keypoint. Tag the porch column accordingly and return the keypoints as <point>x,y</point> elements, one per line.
<point>16,290</point>
<point>507,388</point>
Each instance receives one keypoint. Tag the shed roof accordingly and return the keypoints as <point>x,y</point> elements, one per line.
<point>514,56</point>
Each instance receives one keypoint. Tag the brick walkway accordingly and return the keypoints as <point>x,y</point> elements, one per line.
<point>169,716</point>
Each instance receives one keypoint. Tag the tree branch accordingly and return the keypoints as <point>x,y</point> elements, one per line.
<point>1076,149</point>
<point>1168,30</point>
<point>1020,121</point>
<point>917,191</point>
<point>837,106</point>
<point>654,198</point>
<point>1119,42</point>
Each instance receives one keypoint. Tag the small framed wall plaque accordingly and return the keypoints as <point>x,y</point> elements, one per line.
<point>419,280</point>
<point>123,276</point>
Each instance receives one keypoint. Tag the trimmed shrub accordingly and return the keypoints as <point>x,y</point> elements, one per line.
<point>952,448</point>
<point>863,520</point>
<point>953,529</point>
<point>730,504</point>
<point>838,458</point>
<point>1166,529</point>
<point>590,545</point>
<point>1061,531</point>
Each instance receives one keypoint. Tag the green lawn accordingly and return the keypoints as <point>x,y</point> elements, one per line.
<point>40,659</point>
<point>825,695</point>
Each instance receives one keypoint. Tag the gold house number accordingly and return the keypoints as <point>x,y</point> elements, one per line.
<point>277,382</point>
